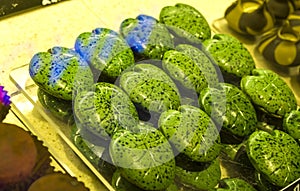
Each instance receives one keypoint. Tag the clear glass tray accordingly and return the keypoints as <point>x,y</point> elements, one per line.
<point>28,90</point>
<point>20,77</point>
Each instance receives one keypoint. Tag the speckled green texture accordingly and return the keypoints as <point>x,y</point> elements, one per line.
<point>57,72</point>
<point>275,155</point>
<point>146,36</point>
<point>234,184</point>
<point>150,87</point>
<point>190,67</point>
<point>203,61</point>
<point>192,132</point>
<point>291,123</point>
<point>145,157</point>
<point>105,109</point>
<point>238,117</point>
<point>230,54</point>
<point>202,180</point>
<point>106,51</point>
<point>269,92</point>
<point>186,21</point>
<point>59,108</point>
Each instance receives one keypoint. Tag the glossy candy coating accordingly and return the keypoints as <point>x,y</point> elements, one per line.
<point>234,184</point>
<point>280,9</point>
<point>281,46</point>
<point>105,110</point>
<point>192,132</point>
<point>250,17</point>
<point>294,19</point>
<point>269,92</point>
<point>191,67</point>
<point>145,157</point>
<point>150,87</point>
<point>204,179</point>
<point>276,155</point>
<point>89,150</point>
<point>238,117</point>
<point>106,51</point>
<point>60,72</point>
<point>121,184</point>
<point>230,54</point>
<point>146,36</point>
<point>186,22</point>
<point>59,108</point>
<point>291,123</point>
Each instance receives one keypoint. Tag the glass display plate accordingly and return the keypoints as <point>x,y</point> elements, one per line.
<point>289,74</point>
<point>20,77</point>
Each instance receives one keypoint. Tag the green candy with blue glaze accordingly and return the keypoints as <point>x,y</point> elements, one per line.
<point>104,110</point>
<point>232,110</point>
<point>291,123</point>
<point>106,51</point>
<point>150,87</point>
<point>192,132</point>
<point>60,72</point>
<point>146,36</point>
<point>234,184</point>
<point>191,67</point>
<point>186,22</point>
<point>231,56</point>
<point>144,157</point>
<point>276,155</point>
<point>199,176</point>
<point>269,92</point>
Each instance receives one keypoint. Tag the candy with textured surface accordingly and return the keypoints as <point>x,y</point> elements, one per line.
<point>269,92</point>
<point>146,36</point>
<point>105,110</point>
<point>106,51</point>
<point>230,54</point>
<point>186,22</point>
<point>192,132</point>
<point>202,176</point>
<point>59,108</point>
<point>238,117</point>
<point>291,123</point>
<point>191,67</point>
<point>60,72</point>
<point>276,155</point>
<point>145,157</point>
<point>150,87</point>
